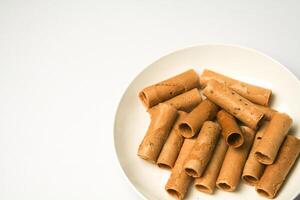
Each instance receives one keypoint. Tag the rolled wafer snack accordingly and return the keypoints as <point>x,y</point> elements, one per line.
<point>203,149</point>
<point>185,101</point>
<point>268,147</point>
<point>275,174</point>
<point>193,122</point>
<point>233,103</point>
<point>233,164</point>
<point>254,169</point>
<point>171,148</point>
<point>253,93</point>
<point>162,91</point>
<point>269,112</point>
<point>207,182</point>
<point>179,181</point>
<point>230,129</point>
<point>157,133</point>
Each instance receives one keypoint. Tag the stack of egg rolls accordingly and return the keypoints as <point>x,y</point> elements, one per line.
<point>218,136</point>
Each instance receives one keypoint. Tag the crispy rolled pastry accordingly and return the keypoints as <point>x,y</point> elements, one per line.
<point>275,174</point>
<point>167,89</point>
<point>184,102</point>
<point>179,181</point>
<point>230,129</point>
<point>207,182</point>
<point>269,112</point>
<point>171,148</point>
<point>157,133</point>
<point>269,145</point>
<point>203,149</point>
<point>233,164</point>
<point>253,93</point>
<point>254,169</point>
<point>193,122</point>
<point>233,103</point>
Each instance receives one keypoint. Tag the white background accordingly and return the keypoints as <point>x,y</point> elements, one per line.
<point>65,64</point>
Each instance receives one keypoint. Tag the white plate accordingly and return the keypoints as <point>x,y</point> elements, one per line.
<point>132,120</point>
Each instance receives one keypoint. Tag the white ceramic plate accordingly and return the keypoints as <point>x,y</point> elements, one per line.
<point>132,120</point>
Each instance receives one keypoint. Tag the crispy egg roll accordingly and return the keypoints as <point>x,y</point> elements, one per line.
<point>193,121</point>
<point>203,149</point>
<point>157,133</point>
<point>234,161</point>
<point>230,129</point>
<point>254,169</point>
<point>269,112</point>
<point>207,182</point>
<point>179,181</point>
<point>270,143</point>
<point>171,148</point>
<point>233,103</point>
<point>275,174</point>
<point>253,93</point>
<point>167,89</point>
<point>184,102</point>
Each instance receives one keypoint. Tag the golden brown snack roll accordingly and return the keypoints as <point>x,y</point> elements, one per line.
<point>171,148</point>
<point>275,174</point>
<point>207,182</point>
<point>253,93</point>
<point>185,102</point>
<point>233,164</point>
<point>157,133</point>
<point>192,123</point>
<point>269,145</point>
<point>233,103</point>
<point>203,149</point>
<point>230,129</point>
<point>179,181</point>
<point>167,89</point>
<point>253,169</point>
<point>268,112</point>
